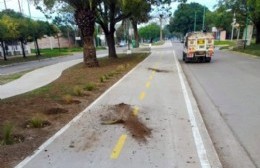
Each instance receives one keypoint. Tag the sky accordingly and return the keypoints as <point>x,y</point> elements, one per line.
<point>37,15</point>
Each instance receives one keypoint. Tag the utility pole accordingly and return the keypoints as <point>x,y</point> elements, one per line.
<point>161,17</point>
<point>233,25</point>
<point>29,9</point>
<point>19,6</point>
<point>5,5</point>
<point>195,21</point>
<point>203,25</point>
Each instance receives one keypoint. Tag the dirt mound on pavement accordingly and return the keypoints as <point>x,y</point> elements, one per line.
<point>123,114</point>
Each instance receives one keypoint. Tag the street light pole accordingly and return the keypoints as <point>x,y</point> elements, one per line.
<point>195,21</point>
<point>161,17</point>
<point>5,4</point>
<point>203,25</point>
<point>246,29</point>
<point>233,25</point>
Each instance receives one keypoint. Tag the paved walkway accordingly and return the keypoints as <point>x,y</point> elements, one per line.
<point>162,101</point>
<point>35,79</point>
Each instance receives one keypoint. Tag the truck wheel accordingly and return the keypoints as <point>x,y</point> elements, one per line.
<point>183,56</point>
<point>208,59</point>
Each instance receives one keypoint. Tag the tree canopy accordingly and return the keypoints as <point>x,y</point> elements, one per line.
<point>150,32</point>
<point>246,9</point>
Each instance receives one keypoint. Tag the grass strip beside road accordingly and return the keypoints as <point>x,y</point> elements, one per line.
<point>45,53</point>
<point>253,49</point>
<point>8,78</point>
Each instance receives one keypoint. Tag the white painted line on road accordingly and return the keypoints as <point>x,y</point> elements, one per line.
<point>202,154</point>
<point>75,119</point>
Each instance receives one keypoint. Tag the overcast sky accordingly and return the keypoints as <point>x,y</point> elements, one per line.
<point>13,4</point>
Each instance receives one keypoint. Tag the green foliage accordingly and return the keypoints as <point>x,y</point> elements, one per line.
<point>78,91</point>
<point>7,134</point>
<point>90,86</point>
<point>184,17</point>
<point>37,122</point>
<point>253,49</point>
<point>150,31</point>
<point>102,79</point>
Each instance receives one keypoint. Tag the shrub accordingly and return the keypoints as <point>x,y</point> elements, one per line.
<point>67,98</point>
<point>120,68</point>
<point>78,91</point>
<point>7,134</point>
<point>37,122</point>
<point>102,79</point>
<point>90,86</point>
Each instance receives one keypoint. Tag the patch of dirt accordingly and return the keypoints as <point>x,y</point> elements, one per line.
<point>158,70</point>
<point>56,110</point>
<point>47,101</point>
<point>123,114</point>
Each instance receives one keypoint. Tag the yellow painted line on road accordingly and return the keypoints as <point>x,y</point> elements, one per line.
<point>150,77</point>
<point>135,110</point>
<point>148,84</point>
<point>142,95</point>
<point>119,146</point>
<point>153,73</point>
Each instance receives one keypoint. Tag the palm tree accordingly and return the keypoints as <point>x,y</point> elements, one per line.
<point>85,16</point>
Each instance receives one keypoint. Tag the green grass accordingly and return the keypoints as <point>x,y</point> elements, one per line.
<point>253,49</point>
<point>158,43</point>
<point>37,122</point>
<point>226,43</point>
<point>90,86</point>
<point>45,53</point>
<point>7,134</point>
<point>8,78</point>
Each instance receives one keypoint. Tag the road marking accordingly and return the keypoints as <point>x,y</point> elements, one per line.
<point>142,95</point>
<point>136,111</point>
<point>117,149</point>
<point>153,73</point>
<point>150,77</point>
<point>201,151</point>
<point>148,84</point>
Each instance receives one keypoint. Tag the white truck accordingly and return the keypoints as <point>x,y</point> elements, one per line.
<point>198,46</point>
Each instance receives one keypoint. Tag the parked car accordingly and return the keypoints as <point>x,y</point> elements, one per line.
<point>122,44</point>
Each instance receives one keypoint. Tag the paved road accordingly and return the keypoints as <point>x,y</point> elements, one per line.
<point>45,62</point>
<point>164,104</point>
<point>228,88</point>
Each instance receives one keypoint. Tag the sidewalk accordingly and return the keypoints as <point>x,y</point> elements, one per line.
<point>158,94</point>
<point>35,79</point>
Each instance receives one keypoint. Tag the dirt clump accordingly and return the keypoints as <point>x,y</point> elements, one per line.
<point>55,110</point>
<point>158,70</point>
<point>123,114</point>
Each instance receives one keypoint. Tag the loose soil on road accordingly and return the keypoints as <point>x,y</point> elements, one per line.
<point>30,119</point>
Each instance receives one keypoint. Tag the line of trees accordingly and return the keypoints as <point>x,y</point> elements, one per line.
<point>14,27</point>
<point>246,11</point>
<point>106,13</point>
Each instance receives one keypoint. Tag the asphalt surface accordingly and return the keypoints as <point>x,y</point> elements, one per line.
<point>228,93</point>
<point>161,100</point>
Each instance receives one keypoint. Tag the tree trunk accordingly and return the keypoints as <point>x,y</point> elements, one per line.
<point>58,37</point>
<point>257,25</point>
<point>38,53</point>
<point>85,19</point>
<point>3,47</point>
<point>22,45</point>
<point>134,24</point>
<point>111,44</point>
